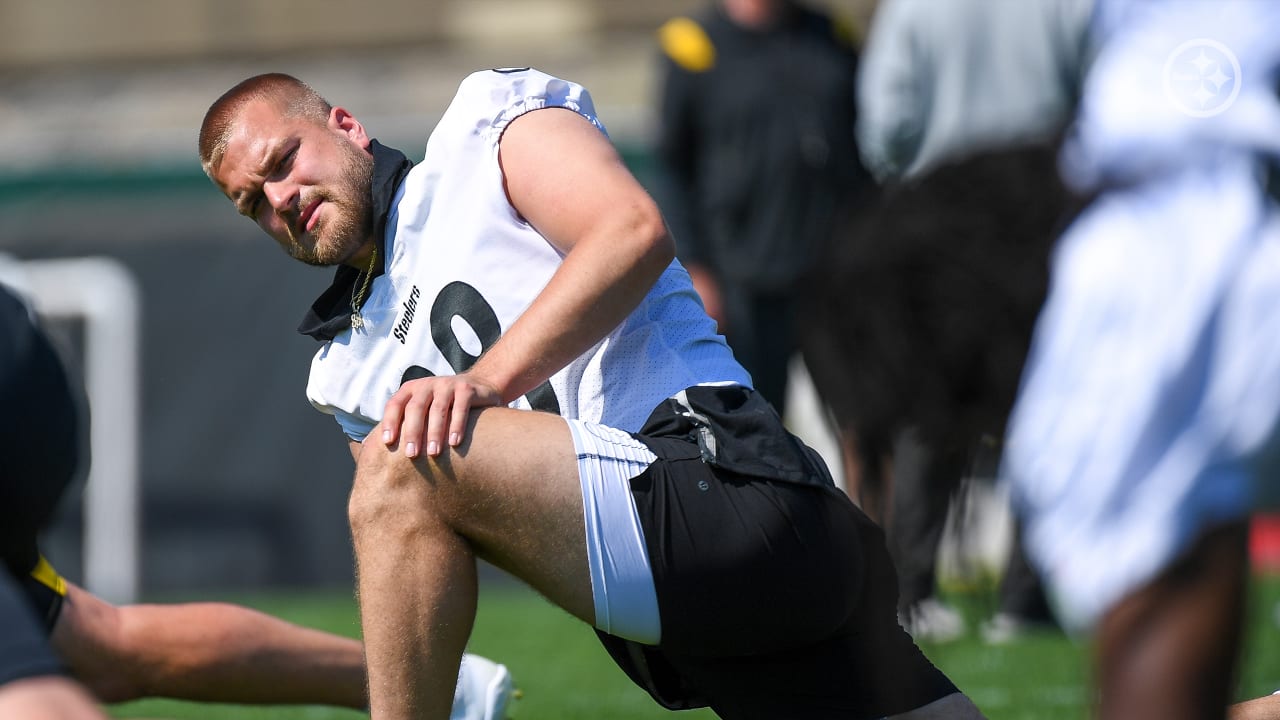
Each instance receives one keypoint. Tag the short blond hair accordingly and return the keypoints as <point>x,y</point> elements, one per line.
<point>293,97</point>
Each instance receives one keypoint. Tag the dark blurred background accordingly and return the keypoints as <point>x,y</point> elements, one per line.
<point>242,483</point>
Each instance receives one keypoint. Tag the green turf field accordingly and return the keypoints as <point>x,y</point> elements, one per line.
<point>566,675</point>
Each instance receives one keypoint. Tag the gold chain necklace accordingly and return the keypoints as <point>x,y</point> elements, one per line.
<point>357,320</point>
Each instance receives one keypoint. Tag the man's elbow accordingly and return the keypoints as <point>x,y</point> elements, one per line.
<point>658,248</point>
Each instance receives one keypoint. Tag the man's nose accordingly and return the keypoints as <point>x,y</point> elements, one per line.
<point>282,196</point>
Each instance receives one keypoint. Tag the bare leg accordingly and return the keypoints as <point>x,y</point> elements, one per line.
<point>206,652</point>
<point>417,589</point>
<point>510,494</point>
<point>1169,650</point>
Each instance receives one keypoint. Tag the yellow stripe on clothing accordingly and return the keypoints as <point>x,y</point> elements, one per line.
<point>47,576</point>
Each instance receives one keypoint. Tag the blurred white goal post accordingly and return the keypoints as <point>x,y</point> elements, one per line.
<point>103,295</point>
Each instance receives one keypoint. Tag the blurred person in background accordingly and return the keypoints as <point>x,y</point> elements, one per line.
<point>755,154</point>
<point>1142,425</point>
<point>940,81</point>
<point>965,386</point>
<point>214,652</point>
<point>1145,425</point>
<point>524,374</point>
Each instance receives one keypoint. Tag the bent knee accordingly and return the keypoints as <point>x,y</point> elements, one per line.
<point>390,489</point>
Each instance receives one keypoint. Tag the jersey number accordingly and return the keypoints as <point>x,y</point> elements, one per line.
<point>460,300</point>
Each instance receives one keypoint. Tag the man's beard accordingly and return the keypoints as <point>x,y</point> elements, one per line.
<point>349,220</point>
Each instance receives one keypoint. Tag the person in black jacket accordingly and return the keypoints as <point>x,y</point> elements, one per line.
<point>756,156</point>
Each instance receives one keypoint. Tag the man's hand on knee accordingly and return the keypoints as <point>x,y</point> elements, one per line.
<point>422,411</point>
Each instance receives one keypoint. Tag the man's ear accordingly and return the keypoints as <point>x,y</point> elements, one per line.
<point>342,121</point>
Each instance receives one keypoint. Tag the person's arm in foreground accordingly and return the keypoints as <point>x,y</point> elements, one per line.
<point>204,652</point>
<point>50,697</point>
<point>616,246</point>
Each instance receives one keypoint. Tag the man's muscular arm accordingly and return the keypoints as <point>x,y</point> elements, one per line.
<point>615,244</point>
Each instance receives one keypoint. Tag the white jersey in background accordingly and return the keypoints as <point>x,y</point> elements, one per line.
<point>1148,408</point>
<point>462,265</point>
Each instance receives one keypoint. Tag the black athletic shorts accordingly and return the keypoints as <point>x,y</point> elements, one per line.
<point>777,597</point>
<point>24,651</point>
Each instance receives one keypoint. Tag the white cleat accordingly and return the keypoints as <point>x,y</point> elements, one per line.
<point>485,690</point>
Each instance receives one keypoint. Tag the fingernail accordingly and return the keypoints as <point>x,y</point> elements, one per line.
<point>453,438</point>
<point>386,435</point>
<point>411,450</point>
<point>432,448</point>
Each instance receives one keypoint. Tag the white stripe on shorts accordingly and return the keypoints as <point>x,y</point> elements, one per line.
<point>626,603</point>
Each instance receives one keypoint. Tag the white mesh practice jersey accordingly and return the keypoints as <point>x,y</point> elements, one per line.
<point>461,266</point>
